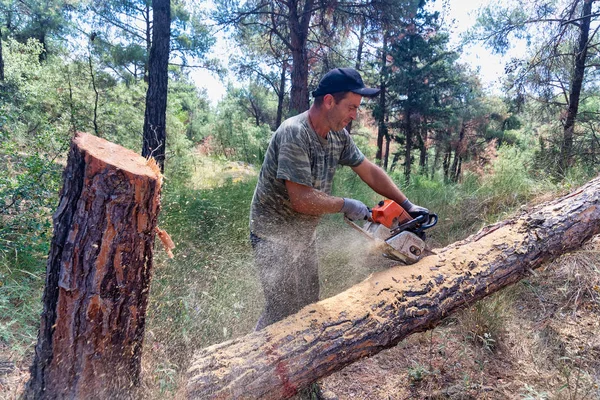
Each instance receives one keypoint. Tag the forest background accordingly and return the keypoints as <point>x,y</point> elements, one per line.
<point>452,145</point>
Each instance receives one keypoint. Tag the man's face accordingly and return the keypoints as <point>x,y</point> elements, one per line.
<point>340,114</point>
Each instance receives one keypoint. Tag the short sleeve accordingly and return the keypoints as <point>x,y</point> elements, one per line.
<point>351,155</point>
<point>294,158</point>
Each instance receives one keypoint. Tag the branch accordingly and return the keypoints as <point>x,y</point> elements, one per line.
<point>575,20</point>
<point>125,28</point>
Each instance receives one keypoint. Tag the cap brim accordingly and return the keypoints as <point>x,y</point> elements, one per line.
<point>367,92</point>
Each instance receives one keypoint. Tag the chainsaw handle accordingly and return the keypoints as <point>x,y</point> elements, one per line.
<point>432,219</point>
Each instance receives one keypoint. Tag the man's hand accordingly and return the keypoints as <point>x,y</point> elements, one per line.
<point>413,209</point>
<point>355,210</point>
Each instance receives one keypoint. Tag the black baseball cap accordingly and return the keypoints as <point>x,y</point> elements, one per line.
<point>343,80</point>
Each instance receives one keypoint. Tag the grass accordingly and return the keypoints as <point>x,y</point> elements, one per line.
<point>484,323</point>
<point>20,309</point>
<point>207,293</point>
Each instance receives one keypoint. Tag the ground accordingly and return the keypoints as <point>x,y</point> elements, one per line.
<point>538,339</point>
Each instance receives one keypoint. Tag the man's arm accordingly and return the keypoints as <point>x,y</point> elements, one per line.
<point>379,181</point>
<point>307,200</point>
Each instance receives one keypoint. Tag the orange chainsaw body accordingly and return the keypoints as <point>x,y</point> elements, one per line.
<point>389,214</point>
<point>395,232</point>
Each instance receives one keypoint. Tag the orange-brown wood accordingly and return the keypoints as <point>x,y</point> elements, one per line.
<point>98,275</point>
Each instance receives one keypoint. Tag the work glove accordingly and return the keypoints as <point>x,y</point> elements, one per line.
<point>355,210</point>
<point>413,209</point>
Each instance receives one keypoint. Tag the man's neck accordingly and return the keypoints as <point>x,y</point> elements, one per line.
<point>318,122</point>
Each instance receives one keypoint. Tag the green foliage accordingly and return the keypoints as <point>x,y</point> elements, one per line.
<point>237,135</point>
<point>121,114</point>
<point>122,36</point>
<point>43,21</point>
<point>31,144</point>
<point>466,206</point>
<point>557,82</point>
<point>417,373</point>
<point>28,191</point>
<point>501,26</point>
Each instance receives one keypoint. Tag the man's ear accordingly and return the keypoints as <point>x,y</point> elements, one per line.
<point>328,101</point>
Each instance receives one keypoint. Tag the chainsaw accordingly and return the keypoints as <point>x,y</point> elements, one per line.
<point>400,236</point>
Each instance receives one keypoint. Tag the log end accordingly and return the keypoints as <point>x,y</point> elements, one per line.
<point>118,156</point>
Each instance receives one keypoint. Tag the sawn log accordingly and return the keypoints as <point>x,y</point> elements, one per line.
<point>376,314</point>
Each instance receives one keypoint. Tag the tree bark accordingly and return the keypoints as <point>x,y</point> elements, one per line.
<point>1,59</point>
<point>382,129</point>
<point>446,163</point>
<point>386,157</point>
<point>281,94</point>
<point>148,37</point>
<point>458,153</point>
<point>390,305</point>
<point>408,131</point>
<point>436,159</point>
<point>358,63</point>
<point>155,117</point>
<point>422,141</point>
<point>98,275</point>
<point>566,152</point>
<point>96,94</point>
<point>299,21</point>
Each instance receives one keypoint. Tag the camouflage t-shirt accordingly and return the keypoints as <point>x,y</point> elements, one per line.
<point>298,154</point>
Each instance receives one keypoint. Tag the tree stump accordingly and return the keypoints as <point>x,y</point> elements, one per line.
<point>98,275</point>
<point>376,314</point>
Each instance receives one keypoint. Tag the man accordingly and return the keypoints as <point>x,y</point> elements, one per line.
<point>294,190</point>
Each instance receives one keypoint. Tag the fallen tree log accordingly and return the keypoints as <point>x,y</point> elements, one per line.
<point>376,314</point>
<point>98,275</point>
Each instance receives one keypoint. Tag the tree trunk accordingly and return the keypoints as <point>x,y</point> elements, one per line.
<point>98,275</point>
<point>436,160</point>
<point>281,95</point>
<point>1,59</point>
<point>578,74</point>
<point>422,140</point>
<point>96,94</point>
<point>408,148</point>
<point>299,21</point>
<point>42,39</point>
<point>357,64</point>
<point>455,166</point>
<point>395,160</point>
<point>382,129</point>
<point>390,305</point>
<point>594,150</point>
<point>299,91</point>
<point>361,45</point>
<point>458,151</point>
<point>446,163</point>
<point>382,133</point>
<point>386,158</point>
<point>148,32</point>
<point>155,117</point>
